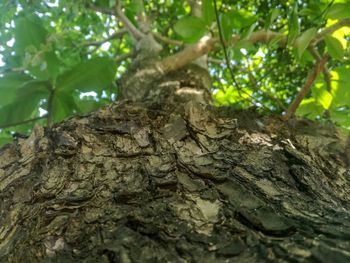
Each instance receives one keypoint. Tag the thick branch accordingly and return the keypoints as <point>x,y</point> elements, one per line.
<point>305,89</point>
<point>187,55</point>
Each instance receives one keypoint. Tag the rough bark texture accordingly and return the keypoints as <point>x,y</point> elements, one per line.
<point>192,183</point>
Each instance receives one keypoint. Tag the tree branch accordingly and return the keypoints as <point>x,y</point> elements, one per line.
<point>184,57</point>
<point>135,33</point>
<point>102,10</point>
<point>125,56</point>
<point>117,34</point>
<point>305,89</point>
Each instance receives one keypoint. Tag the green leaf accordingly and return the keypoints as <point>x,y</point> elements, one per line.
<point>338,11</point>
<point>136,6</point>
<point>310,108</point>
<point>190,28</point>
<point>39,87</point>
<point>227,25</point>
<point>29,31</point>
<point>208,12</point>
<point>48,66</point>
<point>322,96</point>
<point>9,84</point>
<point>271,17</point>
<point>342,118</point>
<point>21,109</point>
<point>335,48</point>
<point>340,86</point>
<point>5,139</point>
<point>63,105</point>
<point>303,41</point>
<point>294,27</point>
<point>247,33</point>
<point>92,75</point>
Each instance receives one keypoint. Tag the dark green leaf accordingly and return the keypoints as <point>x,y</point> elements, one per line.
<point>38,87</point>
<point>21,109</point>
<point>190,28</point>
<point>227,26</point>
<point>303,41</point>
<point>271,17</point>
<point>247,33</point>
<point>63,105</point>
<point>92,75</point>
<point>294,27</point>
<point>208,12</point>
<point>9,84</point>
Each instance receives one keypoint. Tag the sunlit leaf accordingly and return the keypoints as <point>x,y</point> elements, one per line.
<point>310,108</point>
<point>322,96</point>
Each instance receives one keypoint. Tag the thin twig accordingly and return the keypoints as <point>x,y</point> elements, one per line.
<point>266,93</point>
<point>305,89</point>
<point>325,71</point>
<point>125,56</point>
<point>102,10</point>
<point>117,34</point>
<point>23,122</point>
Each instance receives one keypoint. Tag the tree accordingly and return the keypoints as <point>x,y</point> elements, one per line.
<point>175,164</point>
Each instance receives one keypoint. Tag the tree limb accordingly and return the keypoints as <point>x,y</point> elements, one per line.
<point>184,57</point>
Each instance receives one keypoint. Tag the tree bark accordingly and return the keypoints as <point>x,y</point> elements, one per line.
<point>175,181</point>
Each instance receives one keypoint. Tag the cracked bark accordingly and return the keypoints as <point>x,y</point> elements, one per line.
<point>175,181</point>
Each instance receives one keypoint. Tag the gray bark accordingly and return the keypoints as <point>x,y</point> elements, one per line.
<point>175,181</point>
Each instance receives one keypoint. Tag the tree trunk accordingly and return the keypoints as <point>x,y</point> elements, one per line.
<point>175,181</point>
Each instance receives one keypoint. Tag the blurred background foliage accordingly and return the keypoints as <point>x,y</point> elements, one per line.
<point>63,57</point>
